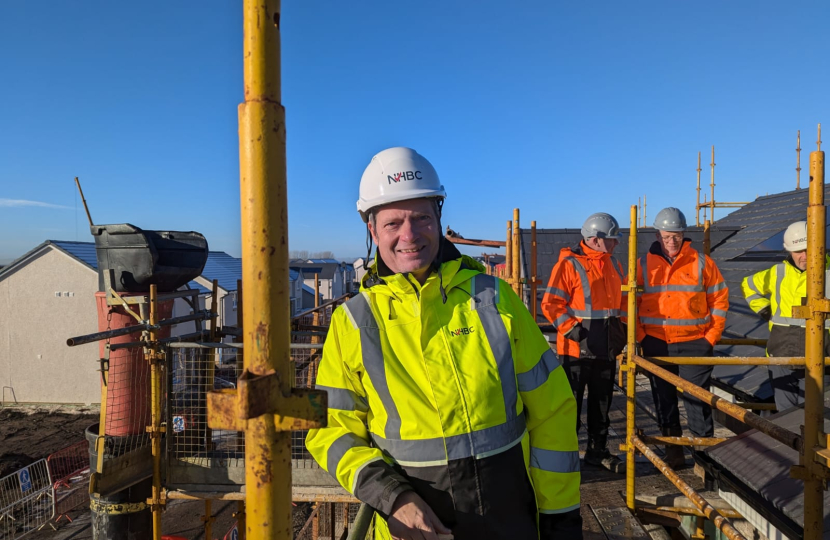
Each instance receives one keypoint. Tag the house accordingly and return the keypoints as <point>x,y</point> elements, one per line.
<point>336,278</point>
<point>48,295</point>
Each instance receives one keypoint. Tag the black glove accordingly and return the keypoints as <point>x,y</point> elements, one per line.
<point>577,333</point>
<point>765,313</point>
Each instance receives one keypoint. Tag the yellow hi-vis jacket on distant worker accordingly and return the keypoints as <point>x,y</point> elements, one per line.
<point>423,392</point>
<point>772,293</point>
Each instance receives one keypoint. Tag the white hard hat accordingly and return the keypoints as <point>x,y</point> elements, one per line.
<point>795,237</point>
<point>397,174</point>
<point>601,225</point>
<point>670,220</point>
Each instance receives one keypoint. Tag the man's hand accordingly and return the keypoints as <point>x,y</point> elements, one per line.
<point>413,519</point>
<point>577,333</point>
<point>765,313</point>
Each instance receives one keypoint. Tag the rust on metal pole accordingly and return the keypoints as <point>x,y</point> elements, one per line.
<point>265,267</point>
<point>708,510</point>
<point>697,206</point>
<point>712,202</point>
<point>752,420</point>
<point>707,237</point>
<point>475,242</point>
<point>316,291</point>
<point>508,260</point>
<point>533,301</point>
<point>517,267</point>
<point>814,348</point>
<point>683,441</point>
<point>695,512</point>
<point>645,210</point>
<point>631,369</point>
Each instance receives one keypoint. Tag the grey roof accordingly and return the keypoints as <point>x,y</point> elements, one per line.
<point>324,270</point>
<point>758,468</point>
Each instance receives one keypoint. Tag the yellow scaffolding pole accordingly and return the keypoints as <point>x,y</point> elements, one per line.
<point>154,356</point>
<point>814,440</point>
<point>631,370</point>
<point>264,405</point>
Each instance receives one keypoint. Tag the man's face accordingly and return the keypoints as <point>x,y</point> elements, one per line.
<point>407,236</point>
<point>603,245</point>
<point>670,242</point>
<point>800,259</point>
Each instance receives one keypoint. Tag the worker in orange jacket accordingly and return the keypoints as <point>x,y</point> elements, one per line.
<point>681,312</point>
<point>583,301</point>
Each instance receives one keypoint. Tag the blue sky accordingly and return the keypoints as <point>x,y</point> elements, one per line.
<point>558,108</point>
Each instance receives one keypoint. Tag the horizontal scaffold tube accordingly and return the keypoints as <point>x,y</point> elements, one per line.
<point>708,510</point>
<point>751,419</point>
<point>733,360</point>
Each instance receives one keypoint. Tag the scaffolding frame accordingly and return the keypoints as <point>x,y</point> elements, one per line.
<point>812,445</point>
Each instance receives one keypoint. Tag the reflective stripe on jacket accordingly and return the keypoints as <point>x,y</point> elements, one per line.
<point>681,300</point>
<point>585,287</point>
<point>780,287</point>
<point>416,384</point>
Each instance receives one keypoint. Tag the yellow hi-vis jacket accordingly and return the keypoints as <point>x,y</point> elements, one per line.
<point>416,384</point>
<point>779,288</point>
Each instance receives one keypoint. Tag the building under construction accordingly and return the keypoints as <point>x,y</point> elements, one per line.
<point>218,414</point>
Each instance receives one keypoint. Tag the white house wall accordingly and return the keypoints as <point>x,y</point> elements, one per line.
<point>36,365</point>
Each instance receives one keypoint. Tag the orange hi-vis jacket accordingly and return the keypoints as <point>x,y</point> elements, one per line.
<point>585,287</point>
<point>683,300</point>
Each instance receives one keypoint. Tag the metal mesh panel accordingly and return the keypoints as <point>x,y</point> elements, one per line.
<point>128,401</point>
<point>26,500</point>
<point>196,453</point>
<point>330,521</point>
<point>69,470</point>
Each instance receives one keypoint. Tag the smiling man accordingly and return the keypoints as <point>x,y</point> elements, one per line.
<point>681,312</point>
<point>448,412</point>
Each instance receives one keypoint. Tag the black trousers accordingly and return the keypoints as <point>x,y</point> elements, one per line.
<point>597,375</point>
<point>698,414</point>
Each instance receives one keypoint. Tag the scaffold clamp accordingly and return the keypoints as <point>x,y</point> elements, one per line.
<point>258,395</point>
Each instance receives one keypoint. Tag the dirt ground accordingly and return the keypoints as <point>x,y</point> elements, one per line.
<point>28,433</point>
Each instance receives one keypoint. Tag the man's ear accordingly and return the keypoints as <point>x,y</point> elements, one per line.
<point>371,225</point>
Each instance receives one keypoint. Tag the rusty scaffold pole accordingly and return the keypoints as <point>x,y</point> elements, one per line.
<point>630,368</point>
<point>814,438</point>
<point>645,210</point>
<point>264,405</point>
<point>697,206</point>
<point>707,237</point>
<point>533,284</point>
<point>517,266</point>
<point>712,185</point>
<point>508,258</point>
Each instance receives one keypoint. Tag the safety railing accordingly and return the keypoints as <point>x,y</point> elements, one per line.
<point>811,444</point>
<point>26,500</point>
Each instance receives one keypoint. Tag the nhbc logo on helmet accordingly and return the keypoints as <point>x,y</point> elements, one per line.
<point>405,175</point>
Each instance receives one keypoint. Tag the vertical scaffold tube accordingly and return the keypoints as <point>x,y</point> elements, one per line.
<point>508,257</point>
<point>517,269</point>
<point>155,412</point>
<point>533,302</point>
<point>814,352</point>
<point>266,315</point>
<point>630,376</point>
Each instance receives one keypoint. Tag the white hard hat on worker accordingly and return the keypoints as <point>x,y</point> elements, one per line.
<point>400,201</point>
<point>795,241</point>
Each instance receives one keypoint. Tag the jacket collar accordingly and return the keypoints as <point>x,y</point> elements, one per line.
<point>455,268</point>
